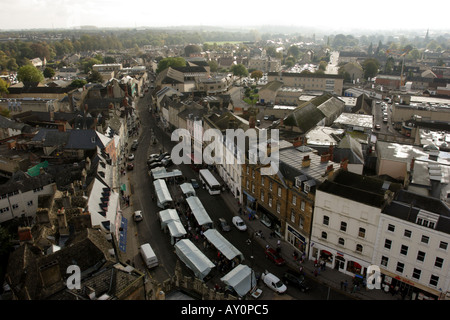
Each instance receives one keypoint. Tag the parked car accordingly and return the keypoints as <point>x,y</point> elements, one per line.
<point>130,166</point>
<point>385,120</point>
<point>134,145</point>
<point>167,161</point>
<point>239,223</point>
<point>195,184</point>
<point>223,224</point>
<point>138,216</point>
<point>273,256</point>
<point>377,126</point>
<point>296,279</point>
<point>273,282</point>
<point>163,155</point>
<point>155,165</point>
<point>131,157</point>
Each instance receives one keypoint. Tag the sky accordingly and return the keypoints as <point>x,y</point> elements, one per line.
<point>345,14</point>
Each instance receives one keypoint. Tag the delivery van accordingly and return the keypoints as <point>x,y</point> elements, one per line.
<point>273,282</point>
<point>148,255</point>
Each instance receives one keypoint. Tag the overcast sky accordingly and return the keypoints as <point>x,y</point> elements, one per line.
<point>354,14</point>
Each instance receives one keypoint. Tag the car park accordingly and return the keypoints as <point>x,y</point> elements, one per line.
<point>273,282</point>
<point>137,216</point>
<point>273,256</point>
<point>296,279</point>
<point>223,225</point>
<point>239,223</point>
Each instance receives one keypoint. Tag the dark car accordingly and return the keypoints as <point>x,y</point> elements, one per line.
<point>130,166</point>
<point>223,224</point>
<point>134,146</point>
<point>195,184</point>
<point>272,255</point>
<point>155,165</point>
<point>296,279</point>
<point>163,155</point>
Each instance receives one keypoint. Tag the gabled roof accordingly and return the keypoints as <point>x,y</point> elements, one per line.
<point>171,76</point>
<point>304,117</point>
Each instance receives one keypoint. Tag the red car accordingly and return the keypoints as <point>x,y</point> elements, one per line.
<point>272,255</point>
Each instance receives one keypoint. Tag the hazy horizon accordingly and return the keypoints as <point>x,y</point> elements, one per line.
<point>347,15</point>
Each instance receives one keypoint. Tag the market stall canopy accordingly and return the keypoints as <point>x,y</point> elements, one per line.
<point>162,192</point>
<point>162,173</point>
<point>198,211</point>
<point>222,244</point>
<point>193,258</point>
<point>188,189</point>
<point>167,216</point>
<point>242,279</point>
<point>176,229</point>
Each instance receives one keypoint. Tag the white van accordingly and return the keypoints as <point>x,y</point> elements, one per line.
<point>273,282</point>
<point>148,255</point>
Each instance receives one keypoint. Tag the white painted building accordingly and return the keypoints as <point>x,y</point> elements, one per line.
<point>412,246</point>
<point>345,223</point>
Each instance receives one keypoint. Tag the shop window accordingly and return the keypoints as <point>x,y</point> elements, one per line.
<point>438,262</point>
<point>416,273</point>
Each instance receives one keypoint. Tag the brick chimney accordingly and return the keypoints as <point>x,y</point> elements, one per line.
<point>25,234</point>
<point>344,164</point>
<point>329,171</point>
<point>306,161</point>
<point>61,127</point>
<point>411,167</point>
<point>324,157</point>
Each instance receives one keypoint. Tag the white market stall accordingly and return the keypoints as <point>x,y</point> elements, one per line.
<point>223,245</point>
<point>162,173</point>
<point>193,258</point>
<point>170,221</point>
<point>199,212</point>
<point>188,190</point>
<point>242,279</point>
<point>167,216</point>
<point>163,196</point>
<point>176,231</point>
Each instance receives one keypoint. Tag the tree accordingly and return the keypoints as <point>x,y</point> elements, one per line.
<point>257,74</point>
<point>165,63</point>
<point>3,87</point>
<point>29,73</point>
<point>78,83</point>
<point>323,65</point>
<point>370,67</point>
<point>87,64</point>
<point>239,70</point>
<point>191,49</point>
<point>95,77</point>
<point>294,51</point>
<point>49,72</point>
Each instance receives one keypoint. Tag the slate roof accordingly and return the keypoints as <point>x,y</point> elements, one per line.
<point>24,183</point>
<point>71,139</point>
<point>305,117</point>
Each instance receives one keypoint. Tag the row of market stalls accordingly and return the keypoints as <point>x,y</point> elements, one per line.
<point>240,279</point>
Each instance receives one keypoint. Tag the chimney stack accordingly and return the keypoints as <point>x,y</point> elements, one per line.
<point>344,164</point>
<point>306,161</point>
<point>324,157</point>
<point>330,171</point>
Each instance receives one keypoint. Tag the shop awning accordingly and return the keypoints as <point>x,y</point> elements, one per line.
<point>193,258</point>
<point>222,244</point>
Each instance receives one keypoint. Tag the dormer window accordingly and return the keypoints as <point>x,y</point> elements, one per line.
<point>427,219</point>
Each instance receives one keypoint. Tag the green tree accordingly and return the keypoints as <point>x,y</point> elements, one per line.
<point>289,62</point>
<point>49,72</point>
<point>294,51</point>
<point>239,70</point>
<point>370,67</point>
<point>29,74</point>
<point>78,83</point>
<point>170,62</point>
<point>95,77</point>
<point>88,63</point>
<point>323,65</point>
<point>3,87</point>
<point>213,66</point>
<point>191,49</point>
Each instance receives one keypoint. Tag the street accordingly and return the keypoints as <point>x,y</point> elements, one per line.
<point>149,229</point>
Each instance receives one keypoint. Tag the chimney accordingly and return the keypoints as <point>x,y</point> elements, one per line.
<point>329,171</point>
<point>252,122</point>
<point>411,168</point>
<point>25,234</point>
<point>306,162</point>
<point>62,222</point>
<point>61,127</point>
<point>324,157</point>
<point>330,152</point>
<point>344,164</point>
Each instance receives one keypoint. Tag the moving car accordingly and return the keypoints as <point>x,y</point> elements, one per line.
<point>195,184</point>
<point>273,256</point>
<point>223,224</point>
<point>273,282</point>
<point>137,216</point>
<point>296,279</point>
<point>239,223</point>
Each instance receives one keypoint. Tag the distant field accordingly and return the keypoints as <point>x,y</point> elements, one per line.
<point>219,43</point>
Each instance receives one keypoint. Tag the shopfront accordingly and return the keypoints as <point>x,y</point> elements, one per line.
<point>249,204</point>
<point>296,239</point>
<point>269,220</point>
